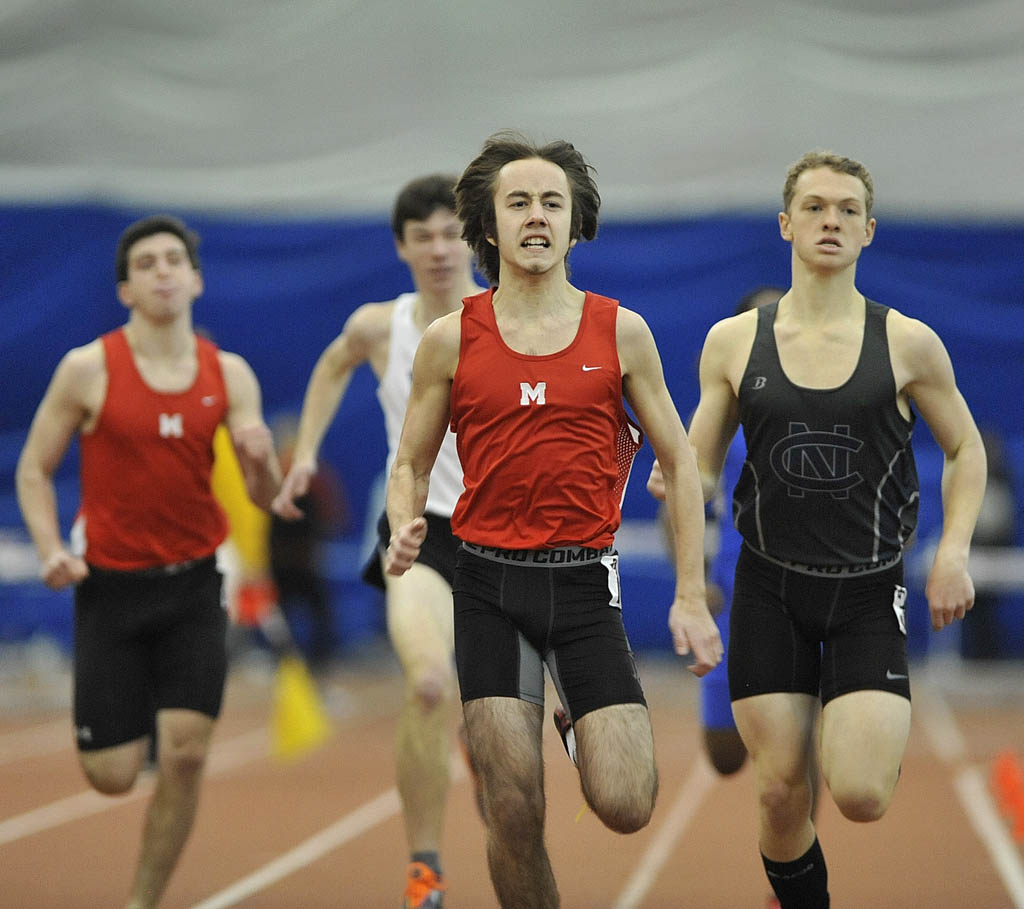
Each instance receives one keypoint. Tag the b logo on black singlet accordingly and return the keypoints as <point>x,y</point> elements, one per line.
<point>816,461</point>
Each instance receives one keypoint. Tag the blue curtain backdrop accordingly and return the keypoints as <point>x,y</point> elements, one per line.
<point>277,291</point>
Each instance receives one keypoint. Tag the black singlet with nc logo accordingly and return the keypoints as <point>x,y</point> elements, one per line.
<point>829,478</point>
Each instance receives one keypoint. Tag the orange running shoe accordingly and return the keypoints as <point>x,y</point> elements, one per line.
<point>424,888</point>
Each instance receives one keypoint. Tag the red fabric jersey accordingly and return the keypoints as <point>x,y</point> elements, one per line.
<point>145,468</point>
<point>545,443</point>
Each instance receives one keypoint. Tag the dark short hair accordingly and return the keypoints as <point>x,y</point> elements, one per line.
<point>146,227</point>
<point>420,198</point>
<point>474,193</point>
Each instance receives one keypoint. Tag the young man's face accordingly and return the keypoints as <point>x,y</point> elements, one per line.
<point>161,281</point>
<point>827,220</point>
<point>435,252</point>
<point>533,216</point>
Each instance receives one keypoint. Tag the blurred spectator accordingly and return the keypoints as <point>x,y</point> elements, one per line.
<point>296,548</point>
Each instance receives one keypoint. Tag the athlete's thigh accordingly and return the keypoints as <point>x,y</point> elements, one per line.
<point>776,729</point>
<point>505,737</point>
<point>614,745</point>
<point>863,736</point>
<point>420,616</point>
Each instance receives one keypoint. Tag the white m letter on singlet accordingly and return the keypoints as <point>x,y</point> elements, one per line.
<point>171,426</point>
<point>529,393</point>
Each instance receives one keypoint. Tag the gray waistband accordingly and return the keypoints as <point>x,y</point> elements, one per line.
<point>562,557</point>
<point>831,571</point>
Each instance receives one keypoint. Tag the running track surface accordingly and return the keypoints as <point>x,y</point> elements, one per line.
<point>325,830</point>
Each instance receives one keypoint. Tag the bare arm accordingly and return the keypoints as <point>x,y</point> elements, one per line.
<point>74,394</point>
<point>931,385</point>
<point>249,433</point>
<point>426,419</point>
<point>716,419</point>
<point>364,331</point>
<point>693,628</point>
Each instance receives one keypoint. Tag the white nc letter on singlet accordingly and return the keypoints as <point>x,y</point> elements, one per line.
<point>171,426</point>
<point>529,393</point>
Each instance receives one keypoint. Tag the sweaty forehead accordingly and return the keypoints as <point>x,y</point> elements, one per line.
<point>831,184</point>
<point>532,176</point>
<point>156,244</point>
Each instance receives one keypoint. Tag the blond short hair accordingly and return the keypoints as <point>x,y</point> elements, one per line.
<point>839,163</point>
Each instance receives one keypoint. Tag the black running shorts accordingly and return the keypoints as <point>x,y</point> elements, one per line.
<point>146,642</point>
<point>437,552</point>
<point>514,612</point>
<point>821,635</point>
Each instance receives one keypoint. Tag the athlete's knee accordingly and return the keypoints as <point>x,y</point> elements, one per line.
<point>624,808</point>
<point>626,815</point>
<point>864,802</point>
<point>431,687</point>
<point>183,758</point>
<point>517,809</point>
<point>725,750</point>
<point>784,801</point>
<point>109,777</point>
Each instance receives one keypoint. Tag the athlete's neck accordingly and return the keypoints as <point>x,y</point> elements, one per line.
<point>168,340</point>
<point>545,294</point>
<point>430,306</point>
<point>817,296</point>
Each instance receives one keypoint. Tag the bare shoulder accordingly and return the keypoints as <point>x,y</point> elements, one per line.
<point>730,338</point>
<point>910,336</point>
<point>84,364</point>
<point>914,347</point>
<point>82,372</point>
<point>236,370</point>
<point>445,333</point>
<point>439,348</point>
<point>630,326</point>
<point>370,322</point>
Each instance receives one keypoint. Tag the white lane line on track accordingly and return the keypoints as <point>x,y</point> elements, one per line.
<point>354,824</point>
<point>691,794</point>
<point>971,787</point>
<point>225,756</point>
<point>969,782</point>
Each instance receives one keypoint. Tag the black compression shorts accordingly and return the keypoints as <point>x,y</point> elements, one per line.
<point>514,612</point>
<point>438,550</point>
<point>146,642</point>
<point>821,635</point>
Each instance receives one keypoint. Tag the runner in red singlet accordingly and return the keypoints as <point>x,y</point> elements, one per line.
<point>531,376</point>
<point>145,401</point>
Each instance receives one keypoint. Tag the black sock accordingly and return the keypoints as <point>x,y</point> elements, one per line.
<point>431,859</point>
<point>802,883</point>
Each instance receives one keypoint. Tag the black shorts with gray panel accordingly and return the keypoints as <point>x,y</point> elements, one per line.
<point>516,610</point>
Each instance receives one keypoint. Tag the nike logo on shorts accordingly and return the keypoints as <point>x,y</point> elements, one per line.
<point>894,676</point>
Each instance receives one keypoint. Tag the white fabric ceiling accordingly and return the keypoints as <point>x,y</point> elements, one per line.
<point>326,106</point>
